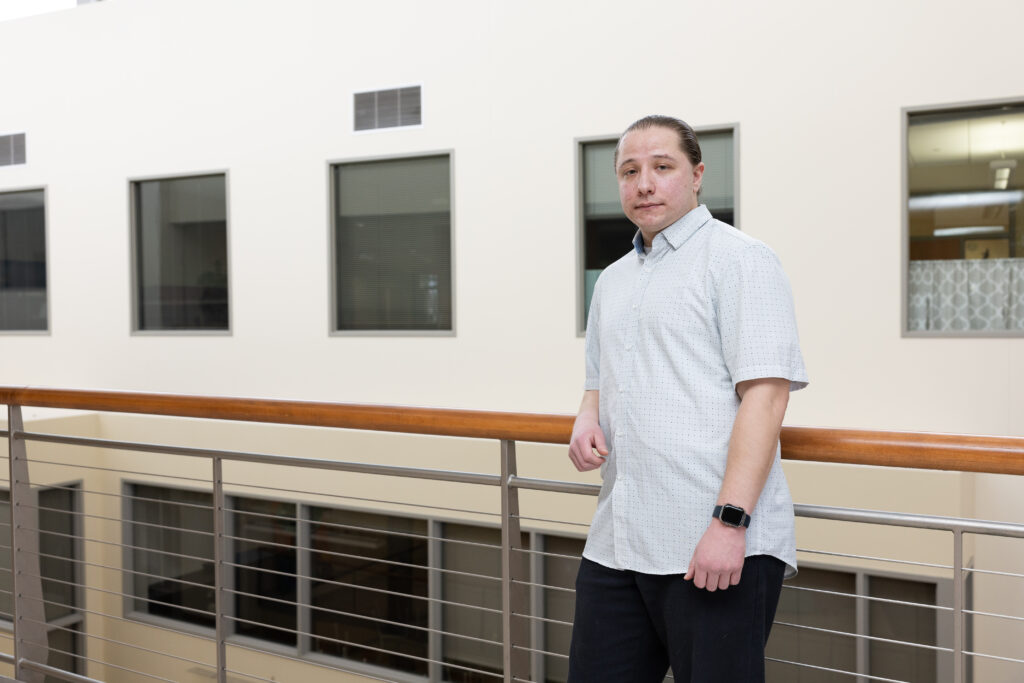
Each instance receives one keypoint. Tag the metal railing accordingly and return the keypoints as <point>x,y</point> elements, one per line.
<point>234,624</point>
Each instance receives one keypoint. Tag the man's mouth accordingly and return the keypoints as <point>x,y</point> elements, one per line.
<point>647,206</point>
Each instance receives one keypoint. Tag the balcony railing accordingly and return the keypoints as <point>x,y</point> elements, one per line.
<point>282,581</point>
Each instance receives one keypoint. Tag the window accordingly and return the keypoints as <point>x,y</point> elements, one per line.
<point>387,108</point>
<point>607,233</point>
<point>265,568</point>
<point>369,587</point>
<point>966,251</point>
<point>386,593</point>
<point>181,257</point>
<point>58,567</point>
<point>392,245</point>
<point>172,553</point>
<point>817,620</point>
<point>22,261</point>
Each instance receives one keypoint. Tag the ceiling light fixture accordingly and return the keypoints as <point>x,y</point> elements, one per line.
<point>962,200</point>
<point>968,230</point>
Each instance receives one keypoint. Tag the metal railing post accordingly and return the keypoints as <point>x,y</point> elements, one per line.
<point>218,566</point>
<point>514,599</point>
<point>958,606</point>
<point>29,618</point>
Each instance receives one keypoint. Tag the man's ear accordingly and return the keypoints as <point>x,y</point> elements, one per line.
<point>698,176</point>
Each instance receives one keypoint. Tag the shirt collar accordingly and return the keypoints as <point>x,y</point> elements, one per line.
<point>677,233</point>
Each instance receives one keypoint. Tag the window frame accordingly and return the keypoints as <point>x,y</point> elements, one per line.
<point>133,245</point>
<point>578,144</point>
<point>332,266</point>
<point>905,114</point>
<point>48,330</point>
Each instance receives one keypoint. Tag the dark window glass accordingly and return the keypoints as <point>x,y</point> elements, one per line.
<point>181,261</point>
<point>966,246</point>
<point>57,552</point>
<point>63,653</point>
<point>393,245</point>
<point>559,603</point>
<point>475,553</point>
<point>265,547</point>
<point>22,261</point>
<point>369,588</point>
<point>607,233</point>
<point>172,553</point>
<point>814,609</point>
<point>905,623</point>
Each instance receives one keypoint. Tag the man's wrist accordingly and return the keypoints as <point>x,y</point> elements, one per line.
<point>731,515</point>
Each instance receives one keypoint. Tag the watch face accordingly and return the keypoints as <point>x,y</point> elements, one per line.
<point>732,515</point>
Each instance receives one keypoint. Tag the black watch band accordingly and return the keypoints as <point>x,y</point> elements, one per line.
<point>731,515</point>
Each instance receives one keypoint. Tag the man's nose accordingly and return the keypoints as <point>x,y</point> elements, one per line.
<point>645,182</point>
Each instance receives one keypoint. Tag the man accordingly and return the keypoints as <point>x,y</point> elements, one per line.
<point>691,353</point>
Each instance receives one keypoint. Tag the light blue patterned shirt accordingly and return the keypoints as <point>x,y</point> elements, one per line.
<point>670,334</point>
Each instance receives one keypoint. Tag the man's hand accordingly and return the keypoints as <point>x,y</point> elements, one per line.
<point>586,437</point>
<point>718,560</point>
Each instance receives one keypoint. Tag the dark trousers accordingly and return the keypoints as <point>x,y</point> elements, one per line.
<point>630,627</point>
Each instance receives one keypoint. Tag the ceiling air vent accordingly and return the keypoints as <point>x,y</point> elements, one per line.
<point>12,149</point>
<point>388,108</point>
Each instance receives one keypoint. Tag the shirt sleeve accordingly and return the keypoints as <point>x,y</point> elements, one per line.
<point>593,346</point>
<point>756,320</point>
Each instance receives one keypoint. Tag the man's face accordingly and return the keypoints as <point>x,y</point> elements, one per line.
<point>657,183</point>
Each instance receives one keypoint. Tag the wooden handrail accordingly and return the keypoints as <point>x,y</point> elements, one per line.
<point>955,452</point>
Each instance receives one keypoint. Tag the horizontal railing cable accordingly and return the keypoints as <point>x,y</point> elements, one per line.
<point>864,636</point>
<point>817,667</point>
<point>549,620</point>
<point>117,470</point>
<point>339,496</point>
<point>872,558</point>
<point>341,667</point>
<point>352,527</point>
<point>114,641</point>
<point>550,521</point>
<point>117,617</point>
<point>363,617</point>
<point>993,572</point>
<point>361,646</point>
<point>994,615</point>
<point>999,657</point>
<point>374,560</point>
<point>119,570</point>
<point>41,667</point>
<point>869,598</point>
<point>545,586</point>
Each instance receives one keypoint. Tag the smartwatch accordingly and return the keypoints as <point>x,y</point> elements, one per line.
<point>731,515</point>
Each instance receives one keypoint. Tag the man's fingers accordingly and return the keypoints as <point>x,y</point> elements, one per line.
<point>723,581</point>
<point>736,578</point>
<point>599,443</point>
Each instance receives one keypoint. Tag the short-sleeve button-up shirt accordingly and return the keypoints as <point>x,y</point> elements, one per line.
<point>669,336</point>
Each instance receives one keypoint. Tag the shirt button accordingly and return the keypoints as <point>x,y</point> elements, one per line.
<point>629,347</point>
<point>635,306</point>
